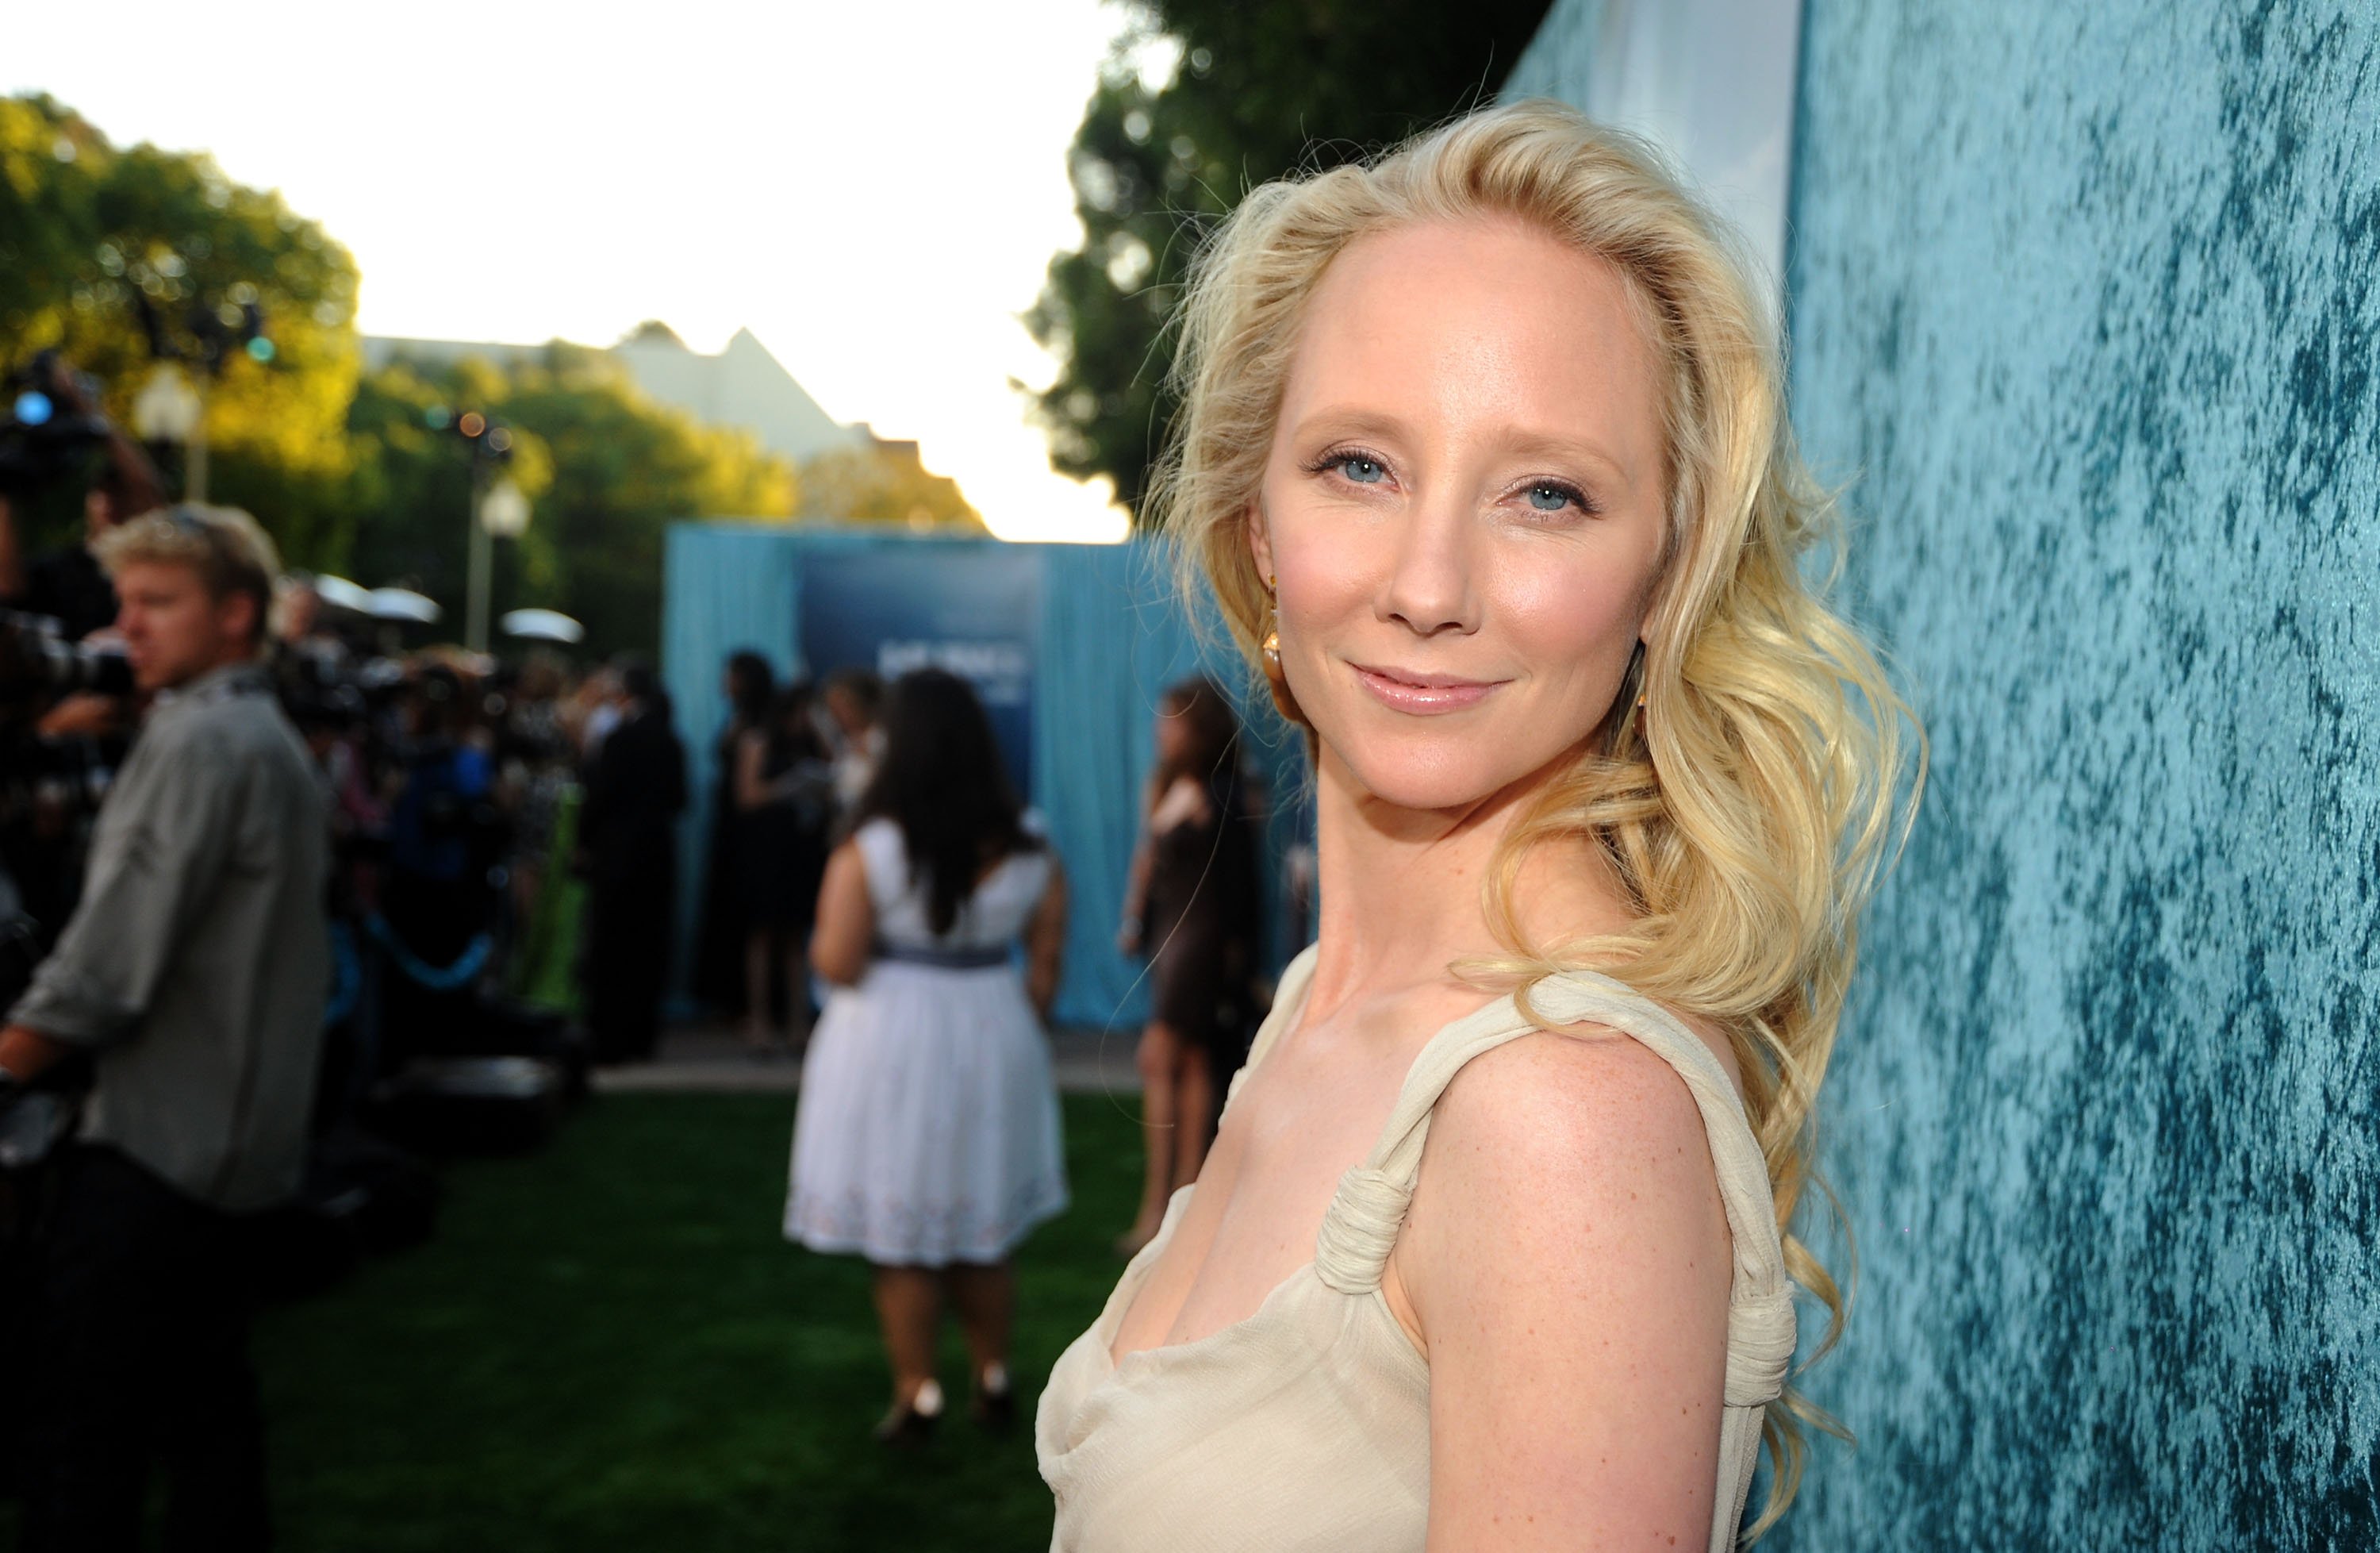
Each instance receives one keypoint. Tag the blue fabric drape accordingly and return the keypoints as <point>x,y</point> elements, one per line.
<point>1112,634</point>
<point>729,586</point>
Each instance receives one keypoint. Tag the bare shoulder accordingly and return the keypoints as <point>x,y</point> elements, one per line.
<point>845,883</point>
<point>1565,1267</point>
<point>1574,1160</point>
<point>1577,1102</point>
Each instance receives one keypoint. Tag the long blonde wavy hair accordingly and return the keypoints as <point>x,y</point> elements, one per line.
<point>1749,810</point>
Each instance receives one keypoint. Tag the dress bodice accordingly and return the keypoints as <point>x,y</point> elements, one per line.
<point>991,918</point>
<point>1307,1424</point>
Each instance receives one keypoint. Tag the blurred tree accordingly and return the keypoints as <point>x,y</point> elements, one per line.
<point>347,470</point>
<point>1199,100</point>
<point>88,230</point>
<point>412,482</point>
<point>653,331</point>
<point>884,483</point>
<point>606,471</point>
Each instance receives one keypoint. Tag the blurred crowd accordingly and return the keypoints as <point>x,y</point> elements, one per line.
<point>485,812</point>
<point>284,904</point>
<point>794,762</point>
<point>283,898</point>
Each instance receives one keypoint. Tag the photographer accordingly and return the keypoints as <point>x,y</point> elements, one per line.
<point>68,444</point>
<point>194,971</point>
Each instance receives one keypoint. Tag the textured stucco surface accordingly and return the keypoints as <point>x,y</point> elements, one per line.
<point>2086,306</point>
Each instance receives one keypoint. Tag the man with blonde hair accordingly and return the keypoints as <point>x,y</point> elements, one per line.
<point>194,974</point>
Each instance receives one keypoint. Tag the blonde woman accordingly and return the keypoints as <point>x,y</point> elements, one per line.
<point>1484,455</point>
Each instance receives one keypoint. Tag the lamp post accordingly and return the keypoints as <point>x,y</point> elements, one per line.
<point>210,335</point>
<point>491,448</point>
<point>168,410</point>
<point>498,510</point>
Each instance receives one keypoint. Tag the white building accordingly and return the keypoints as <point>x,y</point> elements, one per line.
<point>742,386</point>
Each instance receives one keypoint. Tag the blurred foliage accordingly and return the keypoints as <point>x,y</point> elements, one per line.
<point>347,468</point>
<point>85,228</point>
<point>1200,100</point>
<point>884,483</point>
<point>605,469</point>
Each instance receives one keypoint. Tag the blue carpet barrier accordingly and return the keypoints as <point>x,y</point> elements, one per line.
<point>2085,311</point>
<point>1107,633</point>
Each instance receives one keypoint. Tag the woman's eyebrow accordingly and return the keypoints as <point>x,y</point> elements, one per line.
<point>1564,450</point>
<point>1339,421</point>
<point>1350,421</point>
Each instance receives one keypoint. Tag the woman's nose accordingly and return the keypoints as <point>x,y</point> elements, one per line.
<point>1428,588</point>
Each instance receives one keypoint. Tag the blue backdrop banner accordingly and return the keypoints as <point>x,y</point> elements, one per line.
<point>969,610</point>
<point>1072,647</point>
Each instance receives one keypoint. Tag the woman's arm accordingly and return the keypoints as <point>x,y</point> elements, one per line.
<point>846,919</point>
<point>1567,1263</point>
<point>752,790</point>
<point>1045,941</point>
<point>1131,933</point>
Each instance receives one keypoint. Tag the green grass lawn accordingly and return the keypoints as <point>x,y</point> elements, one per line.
<point>608,1345</point>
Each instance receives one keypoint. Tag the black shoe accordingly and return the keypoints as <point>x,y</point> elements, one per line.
<point>994,1407</point>
<point>909,1424</point>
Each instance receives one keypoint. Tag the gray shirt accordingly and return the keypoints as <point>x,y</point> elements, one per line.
<point>198,964</point>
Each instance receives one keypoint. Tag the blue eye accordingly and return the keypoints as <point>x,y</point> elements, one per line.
<point>1546,497</point>
<point>1362,470</point>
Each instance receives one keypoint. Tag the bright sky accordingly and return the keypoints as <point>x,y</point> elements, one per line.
<point>874,189</point>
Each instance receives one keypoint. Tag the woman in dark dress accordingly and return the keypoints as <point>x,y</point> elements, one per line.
<point>750,687</point>
<point>1192,909</point>
<point>785,800</point>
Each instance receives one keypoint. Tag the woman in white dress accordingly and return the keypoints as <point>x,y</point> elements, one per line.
<point>927,1136</point>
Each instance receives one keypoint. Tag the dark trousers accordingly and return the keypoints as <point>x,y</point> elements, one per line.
<point>139,1353</point>
<point>628,924</point>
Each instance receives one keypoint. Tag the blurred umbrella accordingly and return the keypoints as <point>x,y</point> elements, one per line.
<point>541,625</point>
<point>337,593</point>
<point>404,604</point>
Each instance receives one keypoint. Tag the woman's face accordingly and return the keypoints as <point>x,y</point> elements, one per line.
<point>1173,734</point>
<point>1464,506</point>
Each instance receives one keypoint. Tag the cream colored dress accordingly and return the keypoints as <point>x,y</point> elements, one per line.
<point>1306,1425</point>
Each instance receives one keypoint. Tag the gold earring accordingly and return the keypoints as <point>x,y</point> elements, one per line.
<point>1275,675</point>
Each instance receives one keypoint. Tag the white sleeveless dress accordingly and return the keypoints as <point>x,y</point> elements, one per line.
<point>927,1132</point>
<point>1306,1425</point>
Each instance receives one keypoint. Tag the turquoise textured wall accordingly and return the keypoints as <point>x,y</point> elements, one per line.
<point>2086,303</point>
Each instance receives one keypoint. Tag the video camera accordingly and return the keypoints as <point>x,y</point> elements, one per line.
<point>52,431</point>
<point>37,665</point>
<point>37,668</point>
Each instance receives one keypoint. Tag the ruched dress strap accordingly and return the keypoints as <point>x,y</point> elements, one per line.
<point>1365,1213</point>
<point>1288,1002</point>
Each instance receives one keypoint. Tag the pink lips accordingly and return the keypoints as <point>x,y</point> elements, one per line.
<point>1423,695</point>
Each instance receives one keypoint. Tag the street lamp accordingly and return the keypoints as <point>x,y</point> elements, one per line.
<point>504,510</point>
<point>498,509</point>
<point>210,335</point>
<point>168,410</point>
